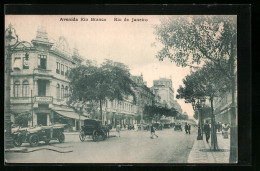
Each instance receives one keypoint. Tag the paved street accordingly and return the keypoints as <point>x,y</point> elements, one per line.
<point>131,147</point>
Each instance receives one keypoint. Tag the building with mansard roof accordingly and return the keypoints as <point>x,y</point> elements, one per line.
<point>39,85</point>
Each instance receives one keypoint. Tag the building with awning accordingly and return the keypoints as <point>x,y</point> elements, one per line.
<point>67,115</point>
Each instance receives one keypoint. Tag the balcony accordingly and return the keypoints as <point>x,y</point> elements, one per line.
<point>42,72</point>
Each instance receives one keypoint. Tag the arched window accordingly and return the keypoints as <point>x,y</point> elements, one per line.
<point>58,91</point>
<point>62,92</point>
<point>16,88</point>
<point>66,91</point>
<point>25,89</point>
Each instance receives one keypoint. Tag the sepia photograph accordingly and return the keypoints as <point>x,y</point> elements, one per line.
<point>121,89</point>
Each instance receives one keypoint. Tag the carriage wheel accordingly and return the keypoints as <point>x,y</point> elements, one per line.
<point>82,136</point>
<point>95,135</point>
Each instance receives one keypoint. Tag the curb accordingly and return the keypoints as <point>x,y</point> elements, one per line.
<point>22,149</point>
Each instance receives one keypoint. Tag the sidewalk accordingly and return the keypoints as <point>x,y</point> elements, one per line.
<point>200,152</point>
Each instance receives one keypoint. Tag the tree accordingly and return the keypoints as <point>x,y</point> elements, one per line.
<point>92,83</point>
<point>22,119</point>
<point>156,112</point>
<point>192,40</point>
<point>205,82</point>
<point>182,117</point>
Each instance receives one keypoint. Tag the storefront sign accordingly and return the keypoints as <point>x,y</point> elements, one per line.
<point>43,100</point>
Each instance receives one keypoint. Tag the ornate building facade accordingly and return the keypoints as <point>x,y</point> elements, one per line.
<point>39,85</point>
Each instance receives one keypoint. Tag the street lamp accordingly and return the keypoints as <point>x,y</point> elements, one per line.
<point>11,42</point>
<point>198,104</point>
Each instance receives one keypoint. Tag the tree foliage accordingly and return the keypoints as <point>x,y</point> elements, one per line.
<point>205,82</point>
<point>192,40</point>
<point>22,119</point>
<point>156,112</point>
<point>109,81</point>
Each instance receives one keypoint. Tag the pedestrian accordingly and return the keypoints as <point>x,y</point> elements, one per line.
<point>135,127</point>
<point>189,128</point>
<point>225,131</point>
<point>118,129</point>
<point>152,129</point>
<point>207,131</point>
<point>220,127</point>
<point>186,128</point>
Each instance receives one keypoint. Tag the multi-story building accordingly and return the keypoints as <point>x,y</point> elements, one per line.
<point>144,96</point>
<point>222,107</point>
<point>163,88</point>
<point>120,112</point>
<point>39,85</point>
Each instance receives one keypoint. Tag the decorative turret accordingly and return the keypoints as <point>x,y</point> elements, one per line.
<point>42,35</point>
<point>42,38</point>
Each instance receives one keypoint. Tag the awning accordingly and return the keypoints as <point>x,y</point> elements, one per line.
<point>69,113</point>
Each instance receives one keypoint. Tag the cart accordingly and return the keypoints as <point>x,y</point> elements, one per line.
<point>95,129</point>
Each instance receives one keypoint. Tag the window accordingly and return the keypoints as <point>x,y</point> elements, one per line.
<point>25,89</point>
<point>16,88</point>
<point>58,91</point>
<point>66,70</point>
<point>42,61</point>
<point>17,65</point>
<point>62,69</point>
<point>66,91</point>
<point>58,68</point>
<point>62,92</point>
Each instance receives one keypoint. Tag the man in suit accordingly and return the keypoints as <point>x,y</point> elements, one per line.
<point>189,128</point>
<point>186,128</point>
<point>207,131</point>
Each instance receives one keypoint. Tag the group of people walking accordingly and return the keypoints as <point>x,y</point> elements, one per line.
<point>219,128</point>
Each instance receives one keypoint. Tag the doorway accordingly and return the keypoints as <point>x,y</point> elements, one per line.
<point>42,119</point>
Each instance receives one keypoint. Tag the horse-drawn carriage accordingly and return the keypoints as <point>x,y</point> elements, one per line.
<point>178,127</point>
<point>95,129</point>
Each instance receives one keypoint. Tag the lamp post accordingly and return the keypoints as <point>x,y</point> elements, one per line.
<point>11,39</point>
<point>198,104</point>
<point>11,42</point>
<point>32,107</point>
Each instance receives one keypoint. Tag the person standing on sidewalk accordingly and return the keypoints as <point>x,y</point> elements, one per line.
<point>189,128</point>
<point>207,131</point>
<point>118,129</point>
<point>225,131</point>
<point>153,131</point>
<point>186,128</point>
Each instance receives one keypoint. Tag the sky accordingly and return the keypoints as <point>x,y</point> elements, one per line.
<point>132,43</point>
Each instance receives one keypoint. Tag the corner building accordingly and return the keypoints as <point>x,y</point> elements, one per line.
<point>39,85</point>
